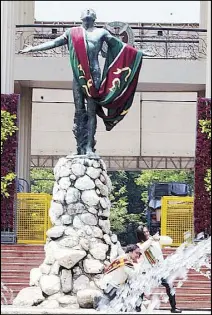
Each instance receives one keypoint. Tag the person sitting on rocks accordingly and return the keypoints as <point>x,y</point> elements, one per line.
<point>116,274</point>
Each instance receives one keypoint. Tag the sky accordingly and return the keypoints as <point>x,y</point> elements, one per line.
<point>125,11</point>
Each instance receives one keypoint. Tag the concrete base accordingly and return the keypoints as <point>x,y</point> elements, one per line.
<point>10,309</point>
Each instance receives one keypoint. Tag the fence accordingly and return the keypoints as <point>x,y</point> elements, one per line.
<point>32,218</point>
<point>184,42</point>
<point>177,218</point>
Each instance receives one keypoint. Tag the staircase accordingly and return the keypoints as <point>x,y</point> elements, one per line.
<point>16,263</point>
<point>195,293</point>
<point>18,260</point>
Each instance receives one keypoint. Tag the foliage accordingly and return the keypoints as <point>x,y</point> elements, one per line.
<point>148,177</point>
<point>8,126</point>
<point>8,129</point>
<point>119,216</point>
<point>206,128</point>
<point>202,200</point>
<point>9,105</point>
<point>5,182</point>
<point>42,180</point>
<point>207,180</point>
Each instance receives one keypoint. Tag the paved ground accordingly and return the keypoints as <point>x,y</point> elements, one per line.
<point>9,309</point>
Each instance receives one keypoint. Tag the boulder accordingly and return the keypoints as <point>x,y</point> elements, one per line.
<point>103,188</point>
<point>78,169</point>
<point>88,219</point>
<point>105,225</point>
<point>81,283</point>
<point>86,297</point>
<point>50,284</point>
<point>72,195</point>
<point>93,172</point>
<point>90,198</point>
<point>67,299</point>
<point>35,275</point>
<point>28,297</point>
<point>50,304</point>
<point>55,231</point>
<point>64,183</point>
<point>93,266</point>
<point>66,280</point>
<point>66,219</point>
<point>84,183</point>
<point>69,257</point>
<point>99,252</point>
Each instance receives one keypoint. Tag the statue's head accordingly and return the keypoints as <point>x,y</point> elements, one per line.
<point>88,17</point>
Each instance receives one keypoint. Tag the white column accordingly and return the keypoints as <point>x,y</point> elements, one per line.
<point>25,12</point>
<point>203,14</point>
<point>203,25</point>
<point>24,15</point>
<point>208,64</point>
<point>24,133</point>
<point>7,46</point>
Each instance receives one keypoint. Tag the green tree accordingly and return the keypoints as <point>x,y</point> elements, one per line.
<point>119,215</point>
<point>149,177</point>
<point>42,180</point>
<point>8,128</point>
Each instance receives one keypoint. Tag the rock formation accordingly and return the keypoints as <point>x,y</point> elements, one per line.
<point>79,244</point>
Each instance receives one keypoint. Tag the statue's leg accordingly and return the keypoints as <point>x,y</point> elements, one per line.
<point>92,122</point>
<point>80,119</point>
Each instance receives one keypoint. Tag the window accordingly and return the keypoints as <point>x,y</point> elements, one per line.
<point>54,30</point>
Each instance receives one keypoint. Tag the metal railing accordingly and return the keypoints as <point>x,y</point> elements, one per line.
<point>162,42</point>
<point>177,218</point>
<point>22,185</point>
<point>8,221</point>
<point>32,218</point>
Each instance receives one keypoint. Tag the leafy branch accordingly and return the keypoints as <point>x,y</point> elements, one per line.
<point>8,128</point>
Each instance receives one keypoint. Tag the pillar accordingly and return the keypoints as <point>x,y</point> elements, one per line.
<point>203,14</point>
<point>208,62</point>
<point>25,12</point>
<point>24,135</point>
<point>7,46</point>
<point>203,25</point>
<point>24,15</point>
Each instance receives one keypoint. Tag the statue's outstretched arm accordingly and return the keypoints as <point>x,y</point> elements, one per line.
<point>109,39</point>
<point>59,41</point>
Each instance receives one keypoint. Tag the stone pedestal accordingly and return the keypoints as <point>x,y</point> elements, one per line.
<point>80,244</point>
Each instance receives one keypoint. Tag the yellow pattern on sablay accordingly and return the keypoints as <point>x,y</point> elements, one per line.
<point>81,69</point>
<point>115,84</point>
<point>118,71</point>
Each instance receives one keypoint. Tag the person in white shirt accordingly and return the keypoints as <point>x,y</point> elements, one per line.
<point>152,253</point>
<point>117,274</point>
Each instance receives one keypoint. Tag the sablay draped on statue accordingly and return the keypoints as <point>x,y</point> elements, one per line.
<point>119,79</point>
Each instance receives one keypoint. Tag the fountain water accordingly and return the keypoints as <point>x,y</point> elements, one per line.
<point>6,295</point>
<point>174,267</point>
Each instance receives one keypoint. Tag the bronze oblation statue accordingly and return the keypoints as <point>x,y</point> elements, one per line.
<point>113,90</point>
